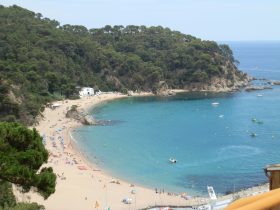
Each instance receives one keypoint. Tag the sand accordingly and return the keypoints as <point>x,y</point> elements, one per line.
<point>82,185</point>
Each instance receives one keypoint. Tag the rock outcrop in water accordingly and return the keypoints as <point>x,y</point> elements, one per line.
<point>254,87</point>
<point>275,82</point>
<point>85,119</point>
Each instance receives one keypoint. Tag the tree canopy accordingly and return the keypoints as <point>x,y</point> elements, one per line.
<point>21,156</point>
<point>41,60</point>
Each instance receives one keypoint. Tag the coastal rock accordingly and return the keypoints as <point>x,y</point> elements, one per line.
<point>166,93</point>
<point>80,116</point>
<point>254,87</point>
<point>130,93</point>
<point>237,82</point>
<point>270,82</point>
<point>73,113</point>
<point>89,120</point>
<point>163,89</point>
<point>275,82</point>
<point>217,84</point>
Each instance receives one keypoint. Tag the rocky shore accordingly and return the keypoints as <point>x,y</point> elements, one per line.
<point>215,84</point>
<point>81,116</point>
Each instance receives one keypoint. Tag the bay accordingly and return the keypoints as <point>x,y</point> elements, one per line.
<point>213,144</point>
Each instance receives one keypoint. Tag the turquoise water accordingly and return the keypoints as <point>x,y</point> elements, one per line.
<point>212,144</point>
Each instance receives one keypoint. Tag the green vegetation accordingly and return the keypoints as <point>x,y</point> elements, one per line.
<point>41,61</point>
<point>7,197</point>
<point>8,200</point>
<point>21,155</point>
<point>25,206</point>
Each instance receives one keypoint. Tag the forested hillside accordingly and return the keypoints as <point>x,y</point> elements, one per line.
<point>40,60</point>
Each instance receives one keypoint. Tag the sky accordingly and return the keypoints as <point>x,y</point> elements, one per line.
<point>219,20</point>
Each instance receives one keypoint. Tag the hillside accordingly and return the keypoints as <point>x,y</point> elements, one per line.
<point>40,60</point>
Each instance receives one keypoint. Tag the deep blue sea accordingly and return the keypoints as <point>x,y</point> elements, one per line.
<point>212,144</point>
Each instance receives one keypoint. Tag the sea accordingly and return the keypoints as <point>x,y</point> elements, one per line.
<point>226,146</point>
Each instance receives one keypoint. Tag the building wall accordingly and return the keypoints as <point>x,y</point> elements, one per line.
<point>86,92</point>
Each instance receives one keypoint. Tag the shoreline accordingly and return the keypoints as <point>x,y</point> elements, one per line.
<point>80,183</point>
<point>86,109</point>
<point>90,183</point>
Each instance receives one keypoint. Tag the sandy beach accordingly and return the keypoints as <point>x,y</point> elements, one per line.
<point>81,185</point>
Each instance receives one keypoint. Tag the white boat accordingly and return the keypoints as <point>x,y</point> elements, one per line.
<point>215,103</point>
<point>172,160</point>
<point>260,95</point>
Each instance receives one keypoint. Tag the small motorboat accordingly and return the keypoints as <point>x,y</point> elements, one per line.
<point>172,160</point>
<point>260,95</point>
<point>253,135</point>
<point>254,120</point>
<point>215,103</point>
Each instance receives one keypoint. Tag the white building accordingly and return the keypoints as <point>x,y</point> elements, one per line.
<point>86,91</point>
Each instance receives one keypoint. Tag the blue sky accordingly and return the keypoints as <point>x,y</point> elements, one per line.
<point>219,20</point>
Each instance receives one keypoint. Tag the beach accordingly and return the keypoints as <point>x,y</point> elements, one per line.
<point>81,185</point>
